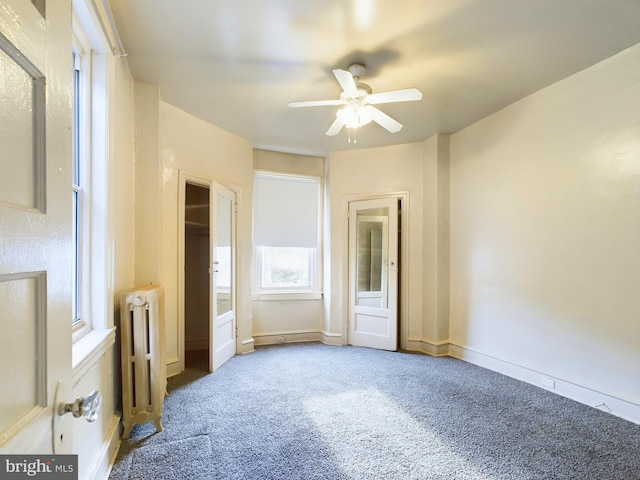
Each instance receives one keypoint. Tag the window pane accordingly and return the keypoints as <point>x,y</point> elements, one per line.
<point>77,199</point>
<point>76,124</point>
<point>286,267</point>
<point>76,258</point>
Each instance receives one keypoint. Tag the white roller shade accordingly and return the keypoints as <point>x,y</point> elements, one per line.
<point>285,211</point>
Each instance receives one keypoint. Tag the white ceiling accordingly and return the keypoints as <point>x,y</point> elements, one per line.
<point>237,63</point>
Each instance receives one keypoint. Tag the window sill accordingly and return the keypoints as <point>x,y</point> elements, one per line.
<point>277,297</point>
<point>89,349</point>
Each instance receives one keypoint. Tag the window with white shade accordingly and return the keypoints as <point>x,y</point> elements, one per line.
<point>286,226</point>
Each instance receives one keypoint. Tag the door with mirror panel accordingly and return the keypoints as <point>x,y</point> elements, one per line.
<point>373,273</point>
<point>223,318</point>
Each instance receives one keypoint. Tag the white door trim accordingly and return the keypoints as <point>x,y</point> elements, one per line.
<point>405,268</point>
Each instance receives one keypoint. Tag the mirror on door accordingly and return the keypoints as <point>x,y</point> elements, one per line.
<point>371,259</point>
<point>223,255</point>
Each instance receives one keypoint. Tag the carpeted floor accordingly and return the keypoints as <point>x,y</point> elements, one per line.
<point>312,411</point>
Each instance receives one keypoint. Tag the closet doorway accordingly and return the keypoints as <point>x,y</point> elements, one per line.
<point>206,274</point>
<point>197,259</point>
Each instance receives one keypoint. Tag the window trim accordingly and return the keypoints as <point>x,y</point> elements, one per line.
<point>81,181</point>
<point>97,289</point>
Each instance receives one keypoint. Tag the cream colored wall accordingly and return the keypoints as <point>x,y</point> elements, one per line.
<point>368,173</point>
<point>545,228</point>
<point>122,165</point>
<point>148,182</point>
<point>434,336</point>
<point>168,141</point>
<point>96,443</point>
<point>287,319</point>
<point>288,163</point>
<point>189,144</point>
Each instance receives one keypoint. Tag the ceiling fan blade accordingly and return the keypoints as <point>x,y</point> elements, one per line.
<point>385,120</point>
<point>314,103</point>
<point>346,81</point>
<point>335,127</point>
<point>406,95</point>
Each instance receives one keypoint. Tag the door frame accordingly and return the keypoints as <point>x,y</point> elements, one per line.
<point>403,256</point>
<point>185,177</point>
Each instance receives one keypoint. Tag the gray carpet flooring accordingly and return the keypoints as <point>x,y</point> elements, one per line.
<point>312,411</point>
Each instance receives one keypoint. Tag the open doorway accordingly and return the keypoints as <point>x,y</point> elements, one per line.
<point>196,276</point>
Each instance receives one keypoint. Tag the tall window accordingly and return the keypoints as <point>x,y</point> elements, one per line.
<point>287,232</point>
<point>92,274</point>
<point>80,174</point>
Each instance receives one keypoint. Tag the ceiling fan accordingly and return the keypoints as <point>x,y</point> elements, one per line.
<point>358,101</point>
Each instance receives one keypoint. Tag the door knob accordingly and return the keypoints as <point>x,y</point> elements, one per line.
<point>88,407</point>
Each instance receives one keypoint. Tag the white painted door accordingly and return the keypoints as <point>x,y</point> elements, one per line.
<point>35,226</point>
<point>373,273</point>
<point>223,295</point>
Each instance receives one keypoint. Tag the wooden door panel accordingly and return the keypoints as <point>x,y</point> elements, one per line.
<point>373,273</point>
<point>223,333</point>
<point>35,225</point>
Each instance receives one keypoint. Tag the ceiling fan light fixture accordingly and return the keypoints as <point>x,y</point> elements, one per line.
<point>359,103</point>
<point>355,117</point>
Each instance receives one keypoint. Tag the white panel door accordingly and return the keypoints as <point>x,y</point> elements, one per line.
<point>223,295</point>
<point>35,227</point>
<point>373,273</point>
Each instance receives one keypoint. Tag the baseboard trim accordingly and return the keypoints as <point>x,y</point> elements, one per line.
<point>286,337</point>
<point>435,349</point>
<point>602,401</point>
<point>329,338</point>
<point>246,346</point>
<point>108,451</point>
<point>173,367</point>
